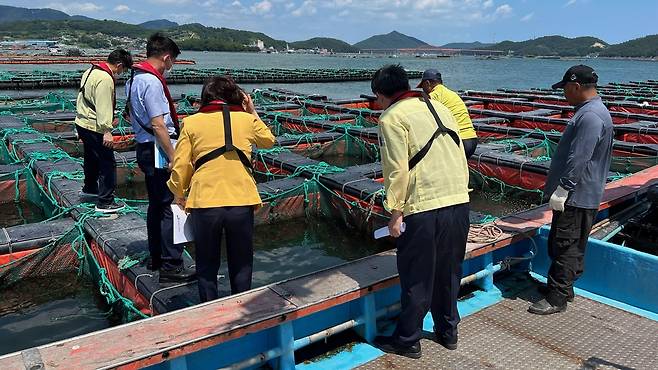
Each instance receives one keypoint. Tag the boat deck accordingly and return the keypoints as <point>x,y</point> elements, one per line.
<point>589,335</point>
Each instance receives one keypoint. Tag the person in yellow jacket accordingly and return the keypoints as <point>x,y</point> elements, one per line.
<point>432,84</point>
<point>212,178</point>
<point>426,183</point>
<point>94,122</point>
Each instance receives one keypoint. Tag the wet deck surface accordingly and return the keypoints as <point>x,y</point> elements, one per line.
<point>589,335</point>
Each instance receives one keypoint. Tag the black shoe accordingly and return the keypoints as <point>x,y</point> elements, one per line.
<point>543,290</point>
<point>449,343</point>
<point>388,345</point>
<point>110,208</point>
<point>177,275</point>
<point>543,307</point>
<point>154,264</point>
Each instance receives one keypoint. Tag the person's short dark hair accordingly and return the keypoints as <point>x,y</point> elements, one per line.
<point>158,45</point>
<point>221,88</point>
<point>390,80</point>
<point>120,56</point>
<point>588,86</point>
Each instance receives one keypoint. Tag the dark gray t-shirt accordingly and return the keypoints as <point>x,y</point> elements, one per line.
<point>582,159</point>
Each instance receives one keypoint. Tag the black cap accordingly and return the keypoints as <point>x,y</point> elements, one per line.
<point>581,74</point>
<point>430,75</point>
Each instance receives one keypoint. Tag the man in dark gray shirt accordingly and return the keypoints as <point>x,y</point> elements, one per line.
<point>575,184</point>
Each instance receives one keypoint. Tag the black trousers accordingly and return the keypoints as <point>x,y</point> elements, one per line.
<point>159,219</point>
<point>469,146</point>
<point>429,256</point>
<point>208,225</point>
<point>567,241</point>
<point>99,166</point>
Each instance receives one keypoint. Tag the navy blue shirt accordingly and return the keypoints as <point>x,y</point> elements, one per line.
<point>582,159</point>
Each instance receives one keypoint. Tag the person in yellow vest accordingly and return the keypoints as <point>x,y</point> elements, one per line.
<point>94,123</point>
<point>212,178</point>
<point>426,182</point>
<point>432,84</point>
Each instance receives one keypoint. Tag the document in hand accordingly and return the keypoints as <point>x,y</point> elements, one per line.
<point>382,232</point>
<point>161,160</point>
<point>182,225</point>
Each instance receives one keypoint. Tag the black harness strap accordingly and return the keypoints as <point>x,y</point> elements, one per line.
<point>126,110</point>
<point>228,145</point>
<point>442,129</point>
<point>82,89</point>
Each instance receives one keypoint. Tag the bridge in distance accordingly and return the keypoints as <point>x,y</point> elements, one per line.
<point>434,50</point>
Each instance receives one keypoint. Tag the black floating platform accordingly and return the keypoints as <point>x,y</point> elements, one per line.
<point>119,236</point>
<point>30,236</point>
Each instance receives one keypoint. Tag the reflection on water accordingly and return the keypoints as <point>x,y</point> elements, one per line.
<point>23,212</point>
<point>345,160</point>
<point>497,205</point>
<point>132,190</point>
<point>297,247</point>
<point>37,311</point>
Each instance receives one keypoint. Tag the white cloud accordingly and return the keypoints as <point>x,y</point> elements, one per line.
<point>503,10</point>
<point>75,7</point>
<point>209,3</point>
<point>569,3</point>
<point>262,7</point>
<point>527,17</point>
<point>487,4</point>
<point>122,8</point>
<point>307,8</point>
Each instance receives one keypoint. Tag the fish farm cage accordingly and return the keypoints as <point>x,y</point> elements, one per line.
<point>324,166</point>
<point>59,79</point>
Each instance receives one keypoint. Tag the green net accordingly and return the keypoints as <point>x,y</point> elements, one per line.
<point>70,252</point>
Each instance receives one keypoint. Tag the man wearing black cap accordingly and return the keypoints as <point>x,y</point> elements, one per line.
<point>432,84</point>
<point>575,183</point>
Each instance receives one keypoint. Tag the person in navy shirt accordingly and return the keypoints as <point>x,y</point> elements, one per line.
<point>575,184</point>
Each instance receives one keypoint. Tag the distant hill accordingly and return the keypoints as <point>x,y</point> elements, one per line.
<point>13,14</point>
<point>80,31</point>
<point>158,24</point>
<point>196,36</point>
<point>330,44</point>
<point>553,45</point>
<point>642,47</point>
<point>393,40</point>
<point>466,45</point>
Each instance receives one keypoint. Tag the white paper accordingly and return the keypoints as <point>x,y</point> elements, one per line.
<point>182,225</point>
<point>383,232</point>
<point>161,160</point>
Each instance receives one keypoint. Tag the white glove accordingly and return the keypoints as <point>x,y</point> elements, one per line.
<point>558,199</point>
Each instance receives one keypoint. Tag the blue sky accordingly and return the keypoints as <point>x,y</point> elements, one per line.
<point>434,21</point>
